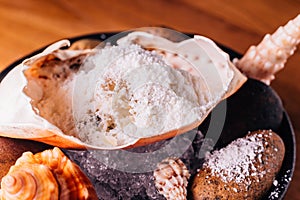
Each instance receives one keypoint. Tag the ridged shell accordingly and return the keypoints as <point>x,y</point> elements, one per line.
<point>20,117</point>
<point>269,56</point>
<point>46,175</point>
<point>171,179</point>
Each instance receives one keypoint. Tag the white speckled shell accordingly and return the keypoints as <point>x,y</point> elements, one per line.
<point>268,57</point>
<point>19,119</point>
<point>171,179</point>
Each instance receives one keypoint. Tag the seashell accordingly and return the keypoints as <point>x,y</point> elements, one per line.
<point>40,106</point>
<point>85,44</point>
<point>171,179</point>
<point>46,175</point>
<point>18,117</point>
<point>10,154</point>
<point>269,56</point>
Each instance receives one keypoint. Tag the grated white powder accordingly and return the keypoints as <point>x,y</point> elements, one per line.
<point>275,183</point>
<point>280,185</point>
<point>125,92</point>
<point>236,162</point>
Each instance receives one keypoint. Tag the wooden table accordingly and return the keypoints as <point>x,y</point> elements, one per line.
<point>28,25</point>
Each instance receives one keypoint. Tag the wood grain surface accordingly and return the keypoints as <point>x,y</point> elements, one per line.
<point>30,24</point>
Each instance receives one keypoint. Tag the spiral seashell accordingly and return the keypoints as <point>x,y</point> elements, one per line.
<point>171,179</point>
<point>267,58</point>
<point>46,175</point>
<point>25,183</point>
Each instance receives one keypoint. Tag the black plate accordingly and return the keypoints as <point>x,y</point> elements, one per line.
<point>285,129</point>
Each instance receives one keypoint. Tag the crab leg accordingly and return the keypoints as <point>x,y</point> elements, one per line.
<point>269,56</point>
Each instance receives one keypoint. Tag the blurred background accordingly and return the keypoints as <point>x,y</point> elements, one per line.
<point>30,24</point>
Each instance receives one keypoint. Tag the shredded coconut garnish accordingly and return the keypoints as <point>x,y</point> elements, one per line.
<point>236,162</point>
<point>280,185</point>
<point>136,94</point>
<point>275,183</point>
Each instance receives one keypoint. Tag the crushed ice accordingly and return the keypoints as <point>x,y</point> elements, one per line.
<point>112,183</point>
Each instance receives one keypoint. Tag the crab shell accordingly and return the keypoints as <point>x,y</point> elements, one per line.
<point>19,119</point>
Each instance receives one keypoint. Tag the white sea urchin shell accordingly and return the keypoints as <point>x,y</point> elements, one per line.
<point>171,179</point>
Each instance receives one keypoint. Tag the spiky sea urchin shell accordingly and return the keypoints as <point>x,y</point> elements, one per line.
<point>171,179</point>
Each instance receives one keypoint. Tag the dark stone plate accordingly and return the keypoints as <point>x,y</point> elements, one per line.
<point>255,106</point>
